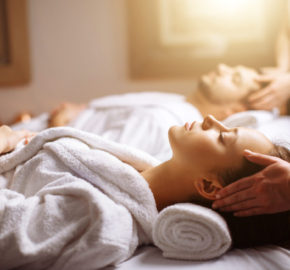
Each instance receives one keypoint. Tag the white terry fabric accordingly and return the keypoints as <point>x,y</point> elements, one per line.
<point>70,200</point>
<point>275,127</point>
<point>191,232</point>
<point>130,118</point>
<point>35,124</point>
<point>250,119</point>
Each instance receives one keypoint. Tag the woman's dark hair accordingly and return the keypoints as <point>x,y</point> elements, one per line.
<point>262,229</point>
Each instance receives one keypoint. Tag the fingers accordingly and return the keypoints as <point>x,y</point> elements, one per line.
<point>241,206</point>
<point>249,212</point>
<point>237,186</point>
<point>267,103</point>
<point>235,197</point>
<point>264,79</point>
<point>258,158</point>
<point>5,129</point>
<point>234,201</point>
<point>19,135</point>
<point>260,95</point>
<point>28,136</point>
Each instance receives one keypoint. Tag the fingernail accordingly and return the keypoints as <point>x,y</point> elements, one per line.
<point>218,196</point>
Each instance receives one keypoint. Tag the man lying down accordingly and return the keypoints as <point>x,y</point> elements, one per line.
<point>74,200</point>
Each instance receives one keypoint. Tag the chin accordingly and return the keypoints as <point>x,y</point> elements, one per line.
<point>174,133</point>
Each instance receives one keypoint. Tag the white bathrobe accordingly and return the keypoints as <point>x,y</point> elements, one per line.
<point>73,200</point>
<point>141,120</point>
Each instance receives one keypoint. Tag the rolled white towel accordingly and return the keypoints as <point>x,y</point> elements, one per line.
<point>191,232</point>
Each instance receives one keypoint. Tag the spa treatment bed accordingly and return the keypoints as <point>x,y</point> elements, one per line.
<point>196,237</point>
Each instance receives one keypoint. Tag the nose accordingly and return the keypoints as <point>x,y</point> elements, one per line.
<point>223,69</point>
<point>210,122</point>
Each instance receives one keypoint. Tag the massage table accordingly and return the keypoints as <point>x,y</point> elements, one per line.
<point>277,128</point>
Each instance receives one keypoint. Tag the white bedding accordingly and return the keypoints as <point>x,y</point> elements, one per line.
<point>120,120</point>
<point>264,258</point>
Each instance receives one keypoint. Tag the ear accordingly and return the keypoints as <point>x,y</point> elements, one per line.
<point>207,187</point>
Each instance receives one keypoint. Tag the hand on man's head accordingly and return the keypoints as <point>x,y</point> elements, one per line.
<point>274,94</point>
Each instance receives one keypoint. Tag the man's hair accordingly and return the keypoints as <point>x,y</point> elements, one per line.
<point>261,229</point>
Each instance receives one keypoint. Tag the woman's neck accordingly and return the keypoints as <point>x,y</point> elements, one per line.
<point>170,184</point>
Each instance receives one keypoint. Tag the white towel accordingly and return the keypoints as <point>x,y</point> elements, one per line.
<point>191,232</point>
<point>250,119</point>
<point>71,200</point>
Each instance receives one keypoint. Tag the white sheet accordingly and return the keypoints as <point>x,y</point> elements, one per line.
<point>264,258</point>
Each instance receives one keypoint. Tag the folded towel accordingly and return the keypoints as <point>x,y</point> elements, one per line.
<point>191,232</point>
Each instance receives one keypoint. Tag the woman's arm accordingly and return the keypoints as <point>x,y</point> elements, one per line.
<point>10,138</point>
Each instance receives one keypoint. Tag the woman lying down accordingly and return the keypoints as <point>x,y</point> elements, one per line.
<point>73,200</point>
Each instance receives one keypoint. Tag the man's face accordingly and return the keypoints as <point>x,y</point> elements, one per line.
<point>228,84</point>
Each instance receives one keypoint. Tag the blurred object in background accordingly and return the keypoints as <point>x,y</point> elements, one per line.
<point>186,38</point>
<point>65,113</point>
<point>14,43</point>
<point>22,117</point>
<point>283,43</point>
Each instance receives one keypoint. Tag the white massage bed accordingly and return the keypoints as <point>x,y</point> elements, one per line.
<point>260,258</point>
<point>263,258</point>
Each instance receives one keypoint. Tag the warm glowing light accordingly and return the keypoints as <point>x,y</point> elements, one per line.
<point>211,25</point>
<point>219,7</point>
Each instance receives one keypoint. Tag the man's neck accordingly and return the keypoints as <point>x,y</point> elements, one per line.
<point>206,107</point>
<point>201,102</point>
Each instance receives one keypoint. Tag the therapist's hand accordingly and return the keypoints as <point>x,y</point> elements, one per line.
<point>274,94</point>
<point>265,192</point>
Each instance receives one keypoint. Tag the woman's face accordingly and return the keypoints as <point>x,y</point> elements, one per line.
<point>211,147</point>
<point>227,84</point>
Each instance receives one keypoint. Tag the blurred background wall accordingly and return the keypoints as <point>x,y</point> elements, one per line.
<point>78,51</point>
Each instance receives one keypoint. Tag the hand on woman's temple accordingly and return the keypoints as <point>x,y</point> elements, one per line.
<point>9,138</point>
<point>265,192</point>
<point>274,94</point>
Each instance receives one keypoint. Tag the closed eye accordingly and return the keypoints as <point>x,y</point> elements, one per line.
<point>236,78</point>
<point>221,137</point>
